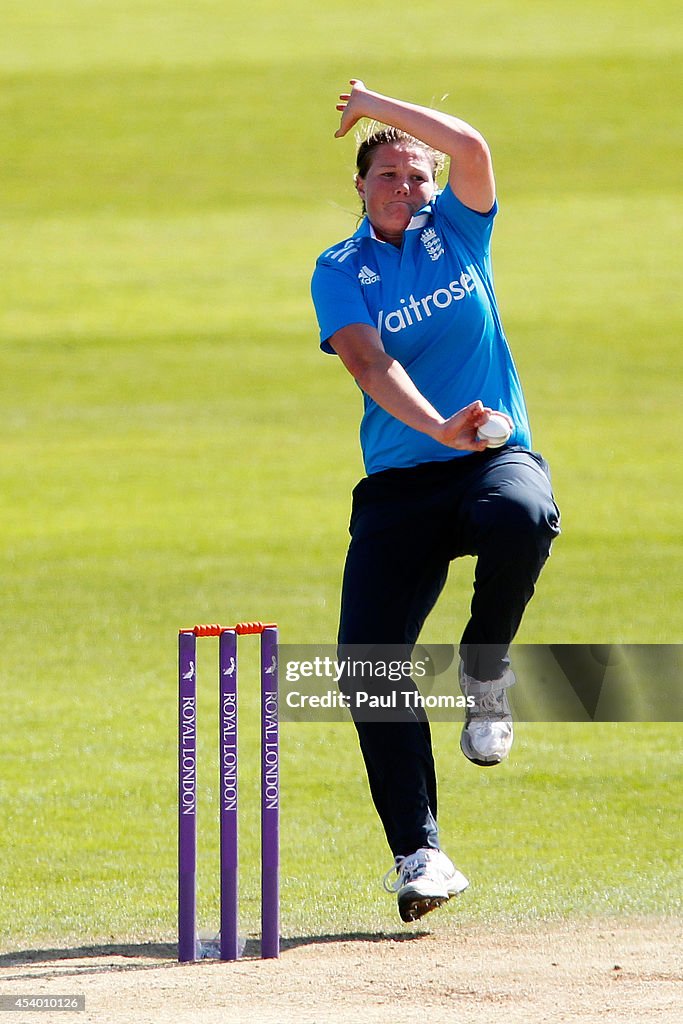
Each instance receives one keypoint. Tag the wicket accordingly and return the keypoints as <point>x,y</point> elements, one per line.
<point>187,789</point>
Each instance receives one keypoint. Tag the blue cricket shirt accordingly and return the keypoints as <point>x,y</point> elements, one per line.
<point>434,306</point>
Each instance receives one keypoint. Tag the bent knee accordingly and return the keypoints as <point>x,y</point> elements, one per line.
<point>520,517</point>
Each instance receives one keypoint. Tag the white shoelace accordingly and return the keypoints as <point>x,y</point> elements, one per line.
<point>490,698</point>
<point>493,702</point>
<point>407,872</point>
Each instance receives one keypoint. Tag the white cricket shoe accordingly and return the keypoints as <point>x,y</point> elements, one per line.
<point>486,737</point>
<point>426,879</point>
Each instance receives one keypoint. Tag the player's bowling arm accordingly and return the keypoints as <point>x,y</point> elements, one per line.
<point>382,377</point>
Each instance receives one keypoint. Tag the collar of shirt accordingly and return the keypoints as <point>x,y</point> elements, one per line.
<point>366,229</point>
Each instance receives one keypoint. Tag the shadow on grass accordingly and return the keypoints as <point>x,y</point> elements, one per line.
<point>160,954</point>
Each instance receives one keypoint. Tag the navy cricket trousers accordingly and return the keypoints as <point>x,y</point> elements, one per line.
<point>407,525</point>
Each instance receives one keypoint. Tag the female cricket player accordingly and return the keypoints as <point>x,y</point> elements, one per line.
<point>408,305</point>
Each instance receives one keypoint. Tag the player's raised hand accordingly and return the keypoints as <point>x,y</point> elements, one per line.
<point>352,107</point>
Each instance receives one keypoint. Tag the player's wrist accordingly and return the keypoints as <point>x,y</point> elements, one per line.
<point>437,428</point>
<point>373,104</point>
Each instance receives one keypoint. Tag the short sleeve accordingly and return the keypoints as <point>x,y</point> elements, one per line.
<point>473,228</point>
<point>338,300</point>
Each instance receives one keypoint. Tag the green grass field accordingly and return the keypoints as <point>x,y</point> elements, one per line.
<point>175,448</point>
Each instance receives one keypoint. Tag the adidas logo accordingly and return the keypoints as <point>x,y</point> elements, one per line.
<point>367,276</point>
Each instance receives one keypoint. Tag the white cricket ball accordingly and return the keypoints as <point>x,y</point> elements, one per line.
<point>495,431</point>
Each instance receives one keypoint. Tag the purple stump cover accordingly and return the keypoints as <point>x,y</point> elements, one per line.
<point>187,795</point>
<point>227,661</point>
<point>270,796</point>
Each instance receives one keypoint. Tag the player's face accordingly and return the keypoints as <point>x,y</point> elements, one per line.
<point>399,182</point>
